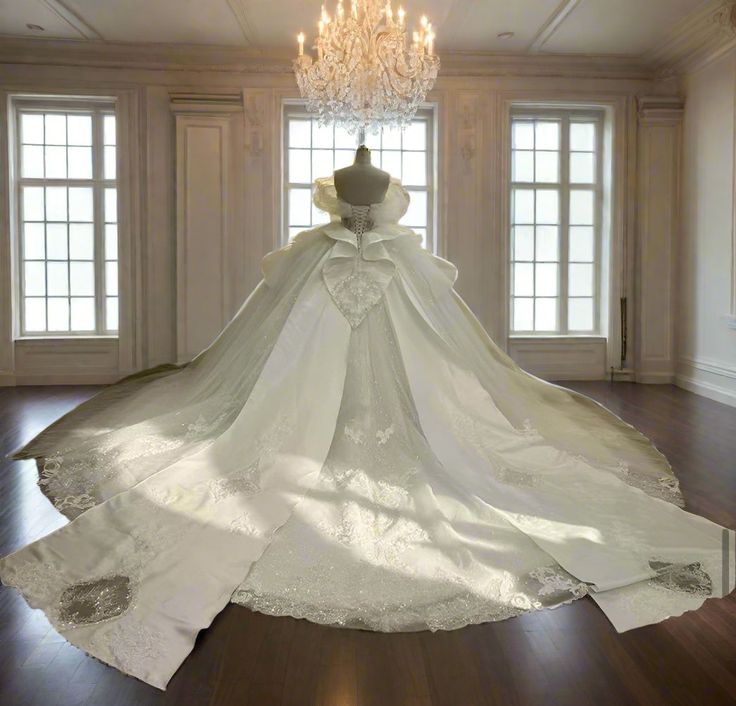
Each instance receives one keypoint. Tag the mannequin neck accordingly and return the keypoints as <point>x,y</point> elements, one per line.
<point>363,156</point>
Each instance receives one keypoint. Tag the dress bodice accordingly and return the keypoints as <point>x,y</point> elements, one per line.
<point>389,211</point>
<point>359,222</point>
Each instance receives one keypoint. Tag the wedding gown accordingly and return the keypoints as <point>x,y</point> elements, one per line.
<point>354,450</point>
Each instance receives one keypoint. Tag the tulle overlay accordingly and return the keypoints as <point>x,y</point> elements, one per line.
<point>353,450</point>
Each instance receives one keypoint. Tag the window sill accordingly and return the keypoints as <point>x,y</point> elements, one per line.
<point>557,337</point>
<point>81,337</point>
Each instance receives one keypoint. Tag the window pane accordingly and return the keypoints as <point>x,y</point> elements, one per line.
<point>344,158</point>
<point>391,163</point>
<point>391,138</point>
<point>79,129</point>
<point>548,167</point>
<point>109,129</point>
<point>83,314</point>
<point>58,278</point>
<point>111,206</point>
<point>524,280</point>
<point>547,135</point>
<point>300,168</point>
<point>523,314</point>
<point>82,275</point>
<point>80,203</point>
<point>548,206</point>
<point>34,241</point>
<point>32,128</point>
<point>546,280</point>
<point>35,314</point>
<point>56,248</point>
<point>581,208</point>
<point>416,214</point>
<point>300,207</point>
<point>545,315</point>
<point>582,168</point>
<point>111,241</point>
<point>582,244</point>
<point>80,163</point>
<point>523,243</point>
<point>523,166</point>
<point>55,133</point>
<point>111,313</point>
<point>580,314</point>
<point>32,162</point>
<point>34,279</point>
<point>523,135</point>
<point>415,136</point>
<point>300,132</point>
<point>33,203</point>
<point>81,241</point>
<point>111,278</point>
<point>322,135</point>
<point>55,162</point>
<point>581,280</point>
<point>547,243</point>
<point>344,139</point>
<point>322,165</point>
<point>110,162</point>
<point>58,314</point>
<point>582,136</point>
<point>414,169</point>
<point>56,203</point>
<point>523,206</point>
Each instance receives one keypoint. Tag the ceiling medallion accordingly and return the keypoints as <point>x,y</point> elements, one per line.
<point>367,74</point>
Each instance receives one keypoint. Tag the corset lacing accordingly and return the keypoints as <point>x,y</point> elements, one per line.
<point>359,222</point>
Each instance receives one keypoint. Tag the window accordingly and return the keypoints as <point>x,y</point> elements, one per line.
<point>65,185</point>
<point>313,151</point>
<point>556,197</point>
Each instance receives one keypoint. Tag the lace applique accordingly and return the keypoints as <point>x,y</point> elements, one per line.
<point>243,524</point>
<point>91,602</point>
<point>686,578</point>
<point>222,488</point>
<point>354,435</point>
<point>528,431</point>
<point>554,583</point>
<point>520,479</point>
<point>133,644</point>
<point>355,296</point>
<point>384,435</point>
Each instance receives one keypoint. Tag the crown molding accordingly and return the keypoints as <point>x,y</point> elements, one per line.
<point>229,59</point>
<point>698,40</point>
<point>75,21</point>
<point>660,110</point>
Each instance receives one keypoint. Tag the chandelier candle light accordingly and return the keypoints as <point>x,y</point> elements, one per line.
<point>367,74</point>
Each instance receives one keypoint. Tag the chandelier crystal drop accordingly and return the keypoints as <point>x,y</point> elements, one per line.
<point>367,73</point>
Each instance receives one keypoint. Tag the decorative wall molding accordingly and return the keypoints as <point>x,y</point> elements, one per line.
<point>239,8</point>
<point>659,159</point>
<point>563,358</point>
<point>74,20</point>
<point>709,378</point>
<point>561,13</point>
<point>237,60</point>
<point>699,39</point>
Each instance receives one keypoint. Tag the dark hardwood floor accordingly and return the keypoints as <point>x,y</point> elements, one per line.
<point>567,656</point>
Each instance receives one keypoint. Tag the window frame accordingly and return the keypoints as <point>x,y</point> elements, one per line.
<point>565,115</point>
<point>99,107</point>
<point>427,112</point>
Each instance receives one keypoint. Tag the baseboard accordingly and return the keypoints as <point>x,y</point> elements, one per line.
<point>654,378</point>
<point>708,378</point>
<point>64,379</point>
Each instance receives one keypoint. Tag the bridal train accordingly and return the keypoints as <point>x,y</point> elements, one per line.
<point>354,450</point>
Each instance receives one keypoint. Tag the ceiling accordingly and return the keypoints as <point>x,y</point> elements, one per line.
<point>622,27</point>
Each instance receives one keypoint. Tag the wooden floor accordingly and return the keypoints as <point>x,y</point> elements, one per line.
<point>567,656</point>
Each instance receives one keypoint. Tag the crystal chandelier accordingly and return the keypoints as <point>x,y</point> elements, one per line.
<point>367,74</point>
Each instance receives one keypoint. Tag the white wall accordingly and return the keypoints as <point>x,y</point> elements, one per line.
<point>707,271</point>
<point>167,92</point>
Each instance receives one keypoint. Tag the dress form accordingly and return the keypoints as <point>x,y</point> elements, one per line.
<point>362,184</point>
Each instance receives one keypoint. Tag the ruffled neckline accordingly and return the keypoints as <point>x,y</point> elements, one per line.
<point>390,210</point>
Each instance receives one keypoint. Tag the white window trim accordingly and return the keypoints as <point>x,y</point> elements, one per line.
<point>100,105</point>
<point>427,111</point>
<point>566,115</point>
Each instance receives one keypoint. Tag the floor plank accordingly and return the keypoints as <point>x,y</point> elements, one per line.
<point>568,656</point>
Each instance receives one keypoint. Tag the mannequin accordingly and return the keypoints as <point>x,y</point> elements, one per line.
<point>362,184</point>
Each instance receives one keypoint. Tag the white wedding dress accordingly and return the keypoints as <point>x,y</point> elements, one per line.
<point>353,450</point>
